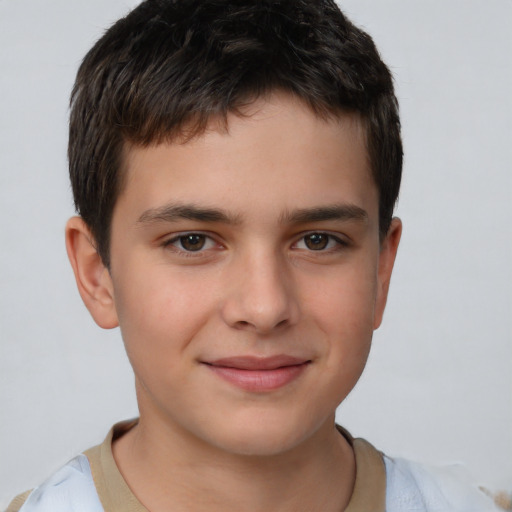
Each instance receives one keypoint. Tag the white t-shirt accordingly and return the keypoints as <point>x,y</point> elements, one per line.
<point>383,484</point>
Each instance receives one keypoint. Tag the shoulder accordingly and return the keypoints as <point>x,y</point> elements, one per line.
<point>70,489</point>
<point>415,487</point>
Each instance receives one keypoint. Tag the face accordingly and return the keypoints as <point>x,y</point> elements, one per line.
<point>247,276</point>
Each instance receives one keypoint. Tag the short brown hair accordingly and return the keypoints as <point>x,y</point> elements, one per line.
<point>171,65</point>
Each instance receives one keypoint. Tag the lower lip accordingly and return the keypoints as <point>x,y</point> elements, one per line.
<point>259,381</point>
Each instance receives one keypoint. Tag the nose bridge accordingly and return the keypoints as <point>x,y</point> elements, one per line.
<point>261,295</point>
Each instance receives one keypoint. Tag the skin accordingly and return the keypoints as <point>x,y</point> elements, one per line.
<point>278,180</point>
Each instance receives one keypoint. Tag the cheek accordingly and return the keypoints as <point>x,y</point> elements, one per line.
<point>343,302</point>
<point>159,316</point>
<point>342,309</point>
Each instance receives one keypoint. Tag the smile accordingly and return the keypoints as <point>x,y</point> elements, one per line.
<point>259,375</point>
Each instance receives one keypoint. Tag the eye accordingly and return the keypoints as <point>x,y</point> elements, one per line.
<point>319,242</point>
<point>190,242</point>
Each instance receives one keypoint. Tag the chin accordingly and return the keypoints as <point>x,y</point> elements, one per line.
<point>263,437</point>
<point>261,446</point>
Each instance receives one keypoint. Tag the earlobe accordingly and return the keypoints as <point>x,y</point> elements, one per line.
<point>388,251</point>
<point>92,277</point>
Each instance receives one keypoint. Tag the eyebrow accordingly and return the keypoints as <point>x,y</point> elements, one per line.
<point>340,212</point>
<point>175,212</point>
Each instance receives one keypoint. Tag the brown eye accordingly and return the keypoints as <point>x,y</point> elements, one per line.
<point>316,241</point>
<point>190,243</point>
<point>193,242</point>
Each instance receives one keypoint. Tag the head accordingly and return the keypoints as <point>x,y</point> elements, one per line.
<point>235,165</point>
<point>168,68</point>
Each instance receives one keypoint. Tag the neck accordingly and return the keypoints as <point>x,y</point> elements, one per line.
<point>167,472</point>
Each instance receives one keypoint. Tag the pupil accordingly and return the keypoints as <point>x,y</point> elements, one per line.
<point>192,242</point>
<point>316,242</point>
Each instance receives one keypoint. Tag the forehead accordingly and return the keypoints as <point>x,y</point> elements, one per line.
<point>276,153</point>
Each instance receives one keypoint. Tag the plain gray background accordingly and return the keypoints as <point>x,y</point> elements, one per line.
<point>438,386</point>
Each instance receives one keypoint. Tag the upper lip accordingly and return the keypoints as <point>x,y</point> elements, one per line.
<point>258,363</point>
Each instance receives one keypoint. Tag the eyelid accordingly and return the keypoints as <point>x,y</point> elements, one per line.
<point>169,240</point>
<point>341,241</point>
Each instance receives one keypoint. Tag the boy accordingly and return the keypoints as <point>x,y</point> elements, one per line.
<point>235,166</point>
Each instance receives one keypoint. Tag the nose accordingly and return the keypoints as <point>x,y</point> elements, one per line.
<point>261,295</point>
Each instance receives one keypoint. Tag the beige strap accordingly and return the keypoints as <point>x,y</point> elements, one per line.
<point>369,493</point>
<point>113,491</point>
<point>18,502</point>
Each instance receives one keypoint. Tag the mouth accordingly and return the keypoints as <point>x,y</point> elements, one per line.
<point>256,374</point>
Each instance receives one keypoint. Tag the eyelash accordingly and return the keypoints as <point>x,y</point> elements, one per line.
<point>339,243</point>
<point>209,240</point>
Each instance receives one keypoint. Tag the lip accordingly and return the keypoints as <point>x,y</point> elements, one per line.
<point>257,374</point>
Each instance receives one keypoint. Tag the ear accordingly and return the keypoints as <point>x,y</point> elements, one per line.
<point>387,255</point>
<point>92,277</point>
